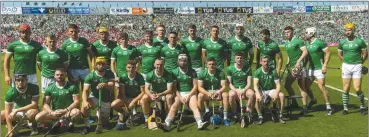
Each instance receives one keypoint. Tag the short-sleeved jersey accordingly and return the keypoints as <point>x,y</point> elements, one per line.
<point>93,79</point>
<point>294,51</point>
<point>266,80</point>
<point>316,53</point>
<point>211,81</point>
<point>161,43</point>
<point>239,76</point>
<point>61,97</point>
<point>148,54</point>
<point>77,51</point>
<point>50,61</point>
<point>21,99</point>
<point>132,86</point>
<point>217,50</point>
<point>194,48</point>
<point>105,50</point>
<point>170,55</point>
<point>159,83</point>
<point>352,50</point>
<point>122,55</point>
<point>244,46</point>
<point>184,80</point>
<point>270,49</point>
<point>24,56</point>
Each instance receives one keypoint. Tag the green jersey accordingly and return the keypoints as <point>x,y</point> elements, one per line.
<point>159,83</point>
<point>170,55</point>
<point>184,80</point>
<point>61,97</point>
<point>316,53</point>
<point>24,56</point>
<point>50,61</point>
<point>352,50</point>
<point>122,55</point>
<point>270,49</point>
<point>244,45</point>
<point>294,51</point>
<point>93,79</point>
<point>194,50</point>
<point>211,81</point>
<point>105,50</point>
<point>132,86</point>
<point>21,99</point>
<point>148,55</point>
<point>77,51</point>
<point>161,43</point>
<point>239,76</point>
<point>217,50</point>
<point>267,80</point>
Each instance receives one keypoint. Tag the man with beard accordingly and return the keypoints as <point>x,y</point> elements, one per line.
<point>104,46</point>
<point>24,96</point>
<point>193,45</point>
<point>239,77</point>
<point>319,55</point>
<point>24,52</point>
<point>148,52</point>
<point>241,43</point>
<point>186,92</point>
<point>63,96</point>
<point>131,90</point>
<point>160,39</point>
<point>353,52</point>
<point>266,83</point>
<point>100,80</point>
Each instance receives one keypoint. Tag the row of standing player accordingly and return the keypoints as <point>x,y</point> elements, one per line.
<point>212,48</point>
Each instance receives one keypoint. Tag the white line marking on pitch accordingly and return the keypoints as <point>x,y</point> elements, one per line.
<point>340,90</point>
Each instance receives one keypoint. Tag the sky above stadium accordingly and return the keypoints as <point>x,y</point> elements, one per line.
<point>174,4</point>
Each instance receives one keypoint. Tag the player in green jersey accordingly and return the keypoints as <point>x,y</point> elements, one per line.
<point>21,100</point>
<point>171,51</point>
<point>49,59</point>
<point>61,101</point>
<point>268,47</point>
<point>24,51</point>
<point>160,39</point>
<point>239,77</point>
<point>318,56</point>
<point>353,52</point>
<point>131,90</point>
<point>266,83</point>
<point>212,85</point>
<point>193,45</point>
<point>215,47</point>
<point>148,53</point>
<point>158,86</point>
<point>297,53</point>
<point>100,80</point>
<point>241,43</point>
<point>104,46</point>
<point>186,92</point>
<point>78,48</point>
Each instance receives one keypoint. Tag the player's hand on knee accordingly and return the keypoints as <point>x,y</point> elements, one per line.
<point>12,114</point>
<point>183,99</point>
<point>86,105</point>
<point>274,96</point>
<point>324,69</point>
<point>132,104</point>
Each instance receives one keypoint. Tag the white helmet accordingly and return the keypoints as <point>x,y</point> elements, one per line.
<point>311,31</point>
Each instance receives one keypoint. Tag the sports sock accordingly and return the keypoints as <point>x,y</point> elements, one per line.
<point>146,117</point>
<point>134,112</point>
<point>198,120</point>
<point>168,121</point>
<point>345,100</point>
<point>260,116</point>
<point>328,105</point>
<point>360,95</point>
<point>207,109</point>
<point>225,115</point>
<point>87,121</point>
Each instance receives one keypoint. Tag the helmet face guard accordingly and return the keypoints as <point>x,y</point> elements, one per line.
<point>296,72</point>
<point>266,99</point>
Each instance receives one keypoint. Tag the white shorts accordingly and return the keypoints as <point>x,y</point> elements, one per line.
<point>105,106</point>
<point>45,82</point>
<point>318,74</point>
<point>79,74</point>
<point>198,70</point>
<point>351,70</point>
<point>269,92</point>
<point>32,79</point>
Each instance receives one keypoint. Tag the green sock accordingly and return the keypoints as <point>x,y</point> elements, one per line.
<point>345,100</point>
<point>360,95</point>
<point>260,115</point>
<point>225,115</point>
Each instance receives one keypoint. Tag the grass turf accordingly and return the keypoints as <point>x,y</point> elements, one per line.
<point>314,124</point>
